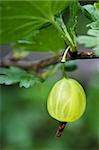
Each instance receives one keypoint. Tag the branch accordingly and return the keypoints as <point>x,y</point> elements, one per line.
<point>27,65</point>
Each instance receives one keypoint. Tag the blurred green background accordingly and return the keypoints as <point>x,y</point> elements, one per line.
<point>26,125</point>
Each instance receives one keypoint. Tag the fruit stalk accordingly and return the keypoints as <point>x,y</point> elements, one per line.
<point>60,128</point>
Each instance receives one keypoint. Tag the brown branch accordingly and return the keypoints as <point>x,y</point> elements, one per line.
<point>7,62</point>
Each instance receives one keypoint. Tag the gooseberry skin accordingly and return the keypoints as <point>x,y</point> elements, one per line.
<point>66,101</point>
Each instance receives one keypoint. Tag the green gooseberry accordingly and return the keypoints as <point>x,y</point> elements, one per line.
<point>67,100</point>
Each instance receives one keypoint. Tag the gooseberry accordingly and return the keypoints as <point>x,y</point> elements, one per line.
<point>67,100</point>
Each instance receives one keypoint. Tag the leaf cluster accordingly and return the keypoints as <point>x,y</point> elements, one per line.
<point>34,26</point>
<point>14,75</point>
<point>92,38</point>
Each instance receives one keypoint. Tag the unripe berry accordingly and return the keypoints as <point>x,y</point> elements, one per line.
<point>66,101</point>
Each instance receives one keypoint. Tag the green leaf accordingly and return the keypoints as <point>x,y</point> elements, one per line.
<point>20,18</point>
<point>93,32</point>
<point>72,22</point>
<point>88,41</point>
<point>91,41</point>
<point>91,12</point>
<point>96,5</point>
<point>94,25</point>
<point>28,81</point>
<point>15,75</point>
<point>47,39</point>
